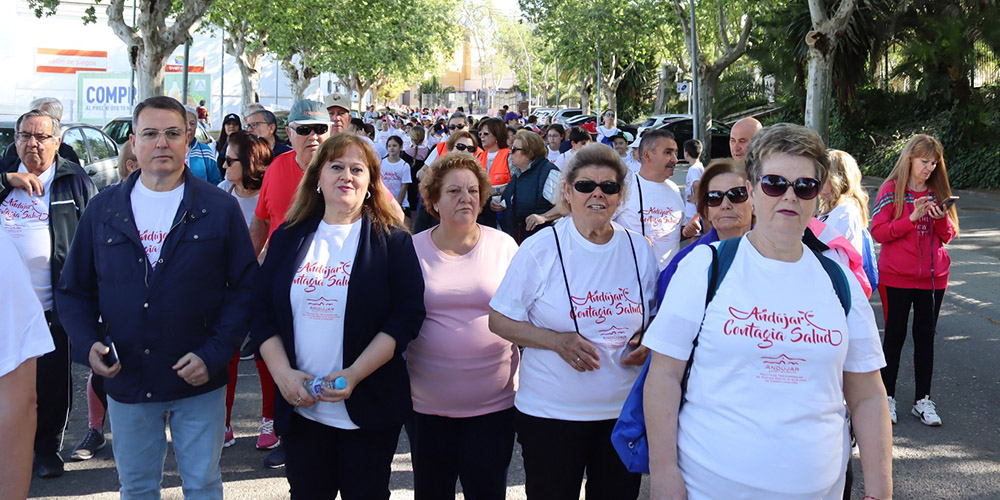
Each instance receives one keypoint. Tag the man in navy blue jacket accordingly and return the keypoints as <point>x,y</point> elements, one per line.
<point>164,261</point>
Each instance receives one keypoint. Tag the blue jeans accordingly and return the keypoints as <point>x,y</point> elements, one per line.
<point>197,427</point>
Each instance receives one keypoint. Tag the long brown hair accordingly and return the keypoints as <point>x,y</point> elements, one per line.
<point>376,205</point>
<point>922,146</point>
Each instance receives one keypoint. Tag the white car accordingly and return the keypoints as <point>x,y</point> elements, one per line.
<point>657,120</point>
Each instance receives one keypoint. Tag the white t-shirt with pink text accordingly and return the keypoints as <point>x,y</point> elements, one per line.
<point>662,210</point>
<point>26,220</point>
<point>606,298</point>
<point>319,301</point>
<point>768,372</point>
<point>154,213</point>
<point>394,175</point>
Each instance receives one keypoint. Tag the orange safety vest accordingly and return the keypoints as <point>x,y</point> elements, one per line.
<point>499,173</point>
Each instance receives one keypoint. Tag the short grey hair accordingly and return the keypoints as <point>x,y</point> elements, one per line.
<point>595,154</point>
<point>49,105</point>
<point>649,138</point>
<point>790,139</point>
<point>56,127</point>
<point>191,111</point>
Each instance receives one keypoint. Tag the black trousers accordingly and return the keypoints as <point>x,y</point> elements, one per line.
<point>322,461</point>
<point>557,452</point>
<point>897,303</point>
<point>475,450</point>
<point>54,390</point>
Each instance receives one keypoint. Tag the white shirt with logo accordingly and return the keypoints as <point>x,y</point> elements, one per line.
<point>319,300</point>
<point>694,173</point>
<point>768,373</point>
<point>394,175</point>
<point>154,213</point>
<point>26,220</point>
<point>553,154</point>
<point>662,213</point>
<point>608,304</point>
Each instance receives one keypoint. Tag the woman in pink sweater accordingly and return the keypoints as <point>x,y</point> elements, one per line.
<point>913,226</point>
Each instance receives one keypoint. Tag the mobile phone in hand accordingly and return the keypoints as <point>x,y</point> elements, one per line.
<point>948,202</point>
<point>111,357</point>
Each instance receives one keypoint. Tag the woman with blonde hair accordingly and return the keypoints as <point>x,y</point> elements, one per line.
<point>843,200</point>
<point>913,222</point>
<point>338,298</point>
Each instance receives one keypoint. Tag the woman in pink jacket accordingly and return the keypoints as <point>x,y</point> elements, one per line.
<point>913,225</point>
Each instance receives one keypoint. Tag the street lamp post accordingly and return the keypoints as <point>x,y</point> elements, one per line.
<point>527,57</point>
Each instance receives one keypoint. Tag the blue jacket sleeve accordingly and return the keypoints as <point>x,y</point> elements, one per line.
<point>406,282</point>
<point>232,322</point>
<point>76,294</point>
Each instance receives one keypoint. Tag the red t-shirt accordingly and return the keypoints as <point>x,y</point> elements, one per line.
<point>278,190</point>
<point>281,179</point>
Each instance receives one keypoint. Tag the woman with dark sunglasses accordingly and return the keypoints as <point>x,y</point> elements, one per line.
<point>722,201</point>
<point>576,296</point>
<point>607,132</point>
<point>787,338</point>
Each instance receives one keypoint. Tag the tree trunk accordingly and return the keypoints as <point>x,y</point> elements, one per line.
<point>667,75</point>
<point>612,91</point>
<point>819,88</point>
<point>249,81</point>
<point>584,93</point>
<point>709,81</point>
<point>150,71</point>
<point>299,77</point>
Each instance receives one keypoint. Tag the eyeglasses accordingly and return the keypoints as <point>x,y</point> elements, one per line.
<point>607,187</point>
<point>609,115</point>
<point>230,161</point>
<point>24,137</point>
<point>253,125</point>
<point>318,128</point>
<point>514,149</point>
<point>484,133</point>
<point>171,134</point>
<point>737,194</point>
<point>805,188</point>
<point>464,147</point>
<point>456,127</point>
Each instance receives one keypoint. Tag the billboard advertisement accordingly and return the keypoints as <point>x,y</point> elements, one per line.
<point>105,96</point>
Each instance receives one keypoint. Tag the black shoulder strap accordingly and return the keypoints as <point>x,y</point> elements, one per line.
<point>638,280</point>
<point>569,296</point>
<point>839,281</point>
<point>642,223</point>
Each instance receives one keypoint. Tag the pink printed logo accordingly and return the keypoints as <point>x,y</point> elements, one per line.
<point>312,275</point>
<point>661,218</point>
<point>16,210</point>
<point>322,309</point>
<point>768,327</point>
<point>599,306</point>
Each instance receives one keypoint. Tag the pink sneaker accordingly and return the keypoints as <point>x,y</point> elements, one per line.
<point>267,439</point>
<point>230,438</point>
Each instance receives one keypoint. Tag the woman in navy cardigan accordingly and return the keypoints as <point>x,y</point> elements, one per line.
<point>338,298</point>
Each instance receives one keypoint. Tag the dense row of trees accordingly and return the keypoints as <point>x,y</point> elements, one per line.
<point>633,51</point>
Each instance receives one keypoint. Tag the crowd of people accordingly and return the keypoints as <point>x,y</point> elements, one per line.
<point>476,282</point>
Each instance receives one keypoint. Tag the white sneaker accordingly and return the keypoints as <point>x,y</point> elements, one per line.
<point>892,409</point>
<point>925,410</point>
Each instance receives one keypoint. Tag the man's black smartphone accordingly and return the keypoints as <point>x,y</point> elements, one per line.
<point>111,357</point>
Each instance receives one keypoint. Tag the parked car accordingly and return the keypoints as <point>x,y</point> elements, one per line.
<point>120,128</point>
<point>564,114</point>
<point>543,114</point>
<point>657,120</point>
<point>682,129</point>
<point>589,122</point>
<point>98,152</point>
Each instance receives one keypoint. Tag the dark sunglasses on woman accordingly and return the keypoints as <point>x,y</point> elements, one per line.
<point>806,188</point>
<point>462,147</point>
<point>607,187</point>
<point>319,128</point>
<point>737,194</point>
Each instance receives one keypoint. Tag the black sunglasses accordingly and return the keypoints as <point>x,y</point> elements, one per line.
<point>607,187</point>
<point>319,128</point>
<point>806,188</point>
<point>462,147</point>
<point>455,127</point>
<point>230,161</point>
<point>737,194</point>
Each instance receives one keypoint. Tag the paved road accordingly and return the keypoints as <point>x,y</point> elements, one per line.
<point>959,460</point>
